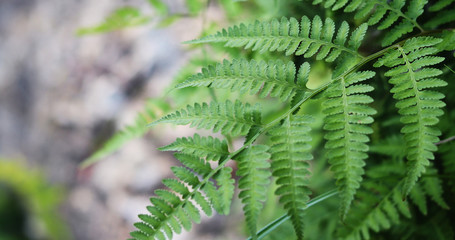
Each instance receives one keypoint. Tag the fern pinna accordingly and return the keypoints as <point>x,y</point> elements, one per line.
<point>347,118</point>
<point>384,13</point>
<point>419,106</point>
<point>377,185</point>
<point>290,156</point>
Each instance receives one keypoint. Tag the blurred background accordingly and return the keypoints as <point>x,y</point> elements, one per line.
<point>62,95</point>
<point>72,74</point>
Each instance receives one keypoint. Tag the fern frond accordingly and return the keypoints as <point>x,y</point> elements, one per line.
<point>254,179</point>
<point>212,148</point>
<point>382,12</point>
<point>432,186</point>
<point>346,122</point>
<point>290,153</point>
<point>443,17</point>
<point>419,106</point>
<point>274,78</point>
<point>175,209</point>
<point>390,146</point>
<point>219,197</point>
<point>380,204</point>
<point>153,109</point>
<point>222,199</point>
<point>448,41</point>
<point>306,38</point>
<point>378,209</point>
<point>228,118</point>
<point>439,5</point>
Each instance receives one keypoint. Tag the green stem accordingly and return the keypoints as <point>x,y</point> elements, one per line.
<point>277,222</point>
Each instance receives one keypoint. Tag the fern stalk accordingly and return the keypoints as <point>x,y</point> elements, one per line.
<point>277,222</point>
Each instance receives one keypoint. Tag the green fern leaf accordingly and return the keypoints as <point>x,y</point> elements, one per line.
<point>380,205</point>
<point>382,12</point>
<point>254,179</point>
<point>226,187</point>
<point>309,38</point>
<point>443,17</point>
<point>418,197</point>
<point>448,41</point>
<point>432,186</point>
<point>228,118</point>
<point>153,109</point>
<point>275,78</point>
<point>119,19</point>
<point>419,107</point>
<point>221,197</point>
<point>178,207</point>
<point>439,5</point>
<point>375,211</point>
<point>347,119</point>
<point>212,148</point>
<point>390,146</point>
<point>290,153</point>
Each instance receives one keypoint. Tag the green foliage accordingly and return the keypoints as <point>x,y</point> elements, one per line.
<point>290,155</point>
<point>175,209</point>
<point>384,173</point>
<point>39,200</point>
<point>254,179</point>
<point>347,118</point>
<point>444,17</point>
<point>439,5</point>
<point>119,19</point>
<point>153,109</point>
<point>228,118</point>
<point>209,147</point>
<point>376,11</point>
<point>381,206</point>
<point>275,78</point>
<point>305,38</point>
<point>159,6</point>
<point>419,106</point>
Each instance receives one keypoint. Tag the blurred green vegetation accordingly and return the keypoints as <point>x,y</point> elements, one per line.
<point>28,205</point>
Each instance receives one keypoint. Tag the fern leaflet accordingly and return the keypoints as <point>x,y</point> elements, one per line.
<point>221,198</point>
<point>290,153</point>
<point>347,116</point>
<point>419,107</point>
<point>433,187</point>
<point>228,118</point>
<point>307,38</point>
<point>254,179</point>
<point>381,205</point>
<point>210,147</point>
<point>376,10</point>
<point>443,17</point>
<point>439,5</point>
<point>376,212</point>
<point>175,208</point>
<point>153,109</point>
<point>275,78</point>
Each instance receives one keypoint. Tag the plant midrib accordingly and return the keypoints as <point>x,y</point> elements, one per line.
<point>299,39</point>
<point>419,114</point>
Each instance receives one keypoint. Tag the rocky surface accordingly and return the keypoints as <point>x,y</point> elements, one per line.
<point>59,94</point>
